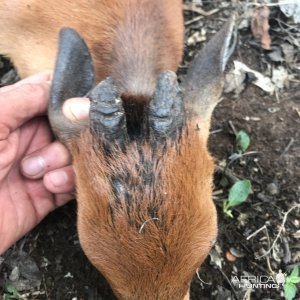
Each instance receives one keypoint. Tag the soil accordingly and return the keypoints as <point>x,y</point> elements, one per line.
<point>51,261</point>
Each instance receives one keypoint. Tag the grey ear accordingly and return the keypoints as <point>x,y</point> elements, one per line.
<point>204,80</point>
<point>73,77</point>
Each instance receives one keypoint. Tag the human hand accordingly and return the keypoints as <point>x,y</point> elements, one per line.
<point>35,171</point>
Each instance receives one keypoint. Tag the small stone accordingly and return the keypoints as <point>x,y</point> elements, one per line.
<point>224,182</point>
<point>272,189</point>
<point>242,162</point>
<point>15,274</point>
<point>273,110</point>
<point>242,218</point>
<point>45,262</point>
<point>69,275</point>
<point>261,196</point>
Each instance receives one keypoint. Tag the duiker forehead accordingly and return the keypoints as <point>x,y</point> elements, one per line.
<point>139,176</point>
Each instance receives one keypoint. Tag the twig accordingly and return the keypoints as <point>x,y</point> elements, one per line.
<point>232,127</point>
<point>36,293</point>
<point>287,148</point>
<point>287,257</point>
<point>198,276</point>
<point>229,282</point>
<point>194,20</point>
<point>45,287</point>
<point>256,232</point>
<point>280,230</point>
<point>247,295</point>
<point>216,131</point>
<point>265,229</point>
<point>236,156</point>
<point>227,173</point>
<point>194,8</point>
<point>269,265</point>
<point>218,192</point>
<point>268,258</point>
<point>271,4</point>
<point>287,25</point>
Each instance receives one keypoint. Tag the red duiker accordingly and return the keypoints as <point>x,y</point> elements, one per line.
<point>146,218</point>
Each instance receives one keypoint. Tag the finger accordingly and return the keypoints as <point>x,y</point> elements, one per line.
<point>21,104</point>
<point>41,77</point>
<point>62,199</point>
<point>76,109</point>
<point>60,181</point>
<point>38,163</point>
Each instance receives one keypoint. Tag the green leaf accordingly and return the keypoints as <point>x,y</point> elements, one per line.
<point>295,272</point>
<point>226,210</point>
<point>290,291</point>
<point>238,193</point>
<point>10,289</point>
<point>293,279</point>
<point>242,141</point>
<point>11,292</point>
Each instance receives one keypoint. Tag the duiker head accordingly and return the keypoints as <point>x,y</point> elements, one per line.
<point>146,218</point>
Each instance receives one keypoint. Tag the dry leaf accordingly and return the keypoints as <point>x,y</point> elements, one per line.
<point>260,26</point>
<point>289,52</point>
<point>291,10</point>
<point>263,82</point>
<point>279,77</point>
<point>234,82</point>
<point>196,37</point>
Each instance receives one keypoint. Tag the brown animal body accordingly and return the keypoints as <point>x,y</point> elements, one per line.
<point>131,40</point>
<point>146,218</point>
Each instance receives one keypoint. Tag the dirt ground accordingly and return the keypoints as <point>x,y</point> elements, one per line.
<point>50,261</point>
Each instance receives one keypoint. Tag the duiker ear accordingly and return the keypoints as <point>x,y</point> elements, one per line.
<point>73,77</point>
<point>204,80</point>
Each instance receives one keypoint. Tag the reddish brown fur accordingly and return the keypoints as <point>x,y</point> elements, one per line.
<point>150,243</point>
<point>151,259</point>
<point>31,33</point>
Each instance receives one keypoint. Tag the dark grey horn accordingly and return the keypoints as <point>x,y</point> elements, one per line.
<point>107,116</point>
<point>166,110</point>
<point>73,77</point>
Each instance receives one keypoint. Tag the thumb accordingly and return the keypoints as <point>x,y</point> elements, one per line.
<point>76,109</point>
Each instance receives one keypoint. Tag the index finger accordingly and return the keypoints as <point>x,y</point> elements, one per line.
<point>19,105</point>
<point>36,78</point>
